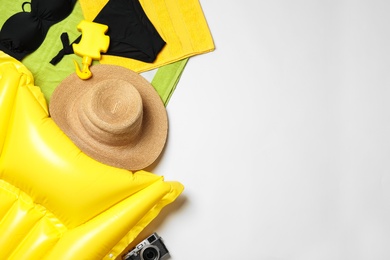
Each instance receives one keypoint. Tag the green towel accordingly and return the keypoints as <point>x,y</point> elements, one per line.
<point>48,76</point>
<point>166,79</point>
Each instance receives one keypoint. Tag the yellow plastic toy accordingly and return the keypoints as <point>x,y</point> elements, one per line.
<point>93,42</point>
<point>56,202</point>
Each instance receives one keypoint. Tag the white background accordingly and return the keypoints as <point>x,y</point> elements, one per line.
<point>281,136</point>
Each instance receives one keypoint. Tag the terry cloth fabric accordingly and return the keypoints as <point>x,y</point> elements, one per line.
<point>48,77</point>
<point>166,79</point>
<point>181,23</point>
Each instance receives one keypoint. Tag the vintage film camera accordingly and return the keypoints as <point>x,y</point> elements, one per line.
<point>152,248</point>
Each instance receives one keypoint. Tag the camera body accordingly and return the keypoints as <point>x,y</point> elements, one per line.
<point>152,248</point>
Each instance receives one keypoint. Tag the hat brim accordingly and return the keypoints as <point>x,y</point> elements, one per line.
<point>136,156</point>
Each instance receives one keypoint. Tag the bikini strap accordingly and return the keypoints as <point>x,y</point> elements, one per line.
<point>24,3</point>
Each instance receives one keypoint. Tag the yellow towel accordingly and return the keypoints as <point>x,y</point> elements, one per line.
<point>181,23</point>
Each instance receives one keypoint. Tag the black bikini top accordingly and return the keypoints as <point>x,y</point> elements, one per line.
<point>24,32</point>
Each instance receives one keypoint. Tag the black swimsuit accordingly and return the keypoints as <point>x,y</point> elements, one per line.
<point>132,35</point>
<point>25,31</point>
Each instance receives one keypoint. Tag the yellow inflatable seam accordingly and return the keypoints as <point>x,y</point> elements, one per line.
<point>25,226</point>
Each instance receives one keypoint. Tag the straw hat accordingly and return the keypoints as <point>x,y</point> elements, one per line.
<point>115,117</point>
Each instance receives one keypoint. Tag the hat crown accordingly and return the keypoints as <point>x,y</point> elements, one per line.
<point>111,112</point>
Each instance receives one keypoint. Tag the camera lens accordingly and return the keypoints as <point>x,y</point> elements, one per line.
<point>150,253</point>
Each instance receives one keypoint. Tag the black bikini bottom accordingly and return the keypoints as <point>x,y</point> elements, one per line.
<point>132,35</point>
